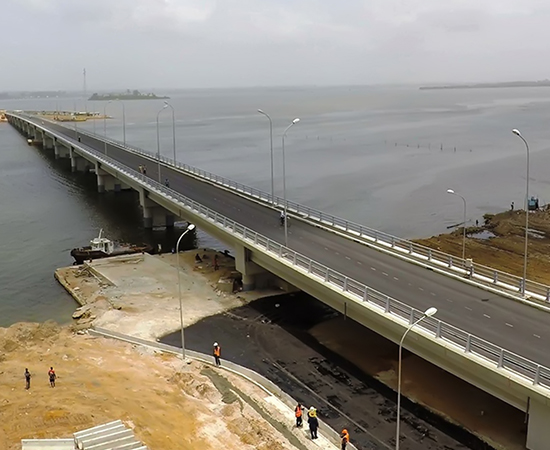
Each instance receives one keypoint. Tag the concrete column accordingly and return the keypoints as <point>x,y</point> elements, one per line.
<point>153,214</point>
<point>47,142</point>
<point>105,181</point>
<point>254,276</point>
<point>538,431</point>
<point>60,150</point>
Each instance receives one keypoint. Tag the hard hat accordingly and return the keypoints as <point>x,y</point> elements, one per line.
<point>344,431</point>
<point>215,344</point>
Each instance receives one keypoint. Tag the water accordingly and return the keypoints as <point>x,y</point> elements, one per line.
<point>341,157</point>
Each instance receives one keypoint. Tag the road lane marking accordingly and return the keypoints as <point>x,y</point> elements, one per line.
<point>396,279</point>
<point>537,336</point>
<point>360,263</point>
<point>469,309</point>
<point>433,293</point>
<point>487,315</point>
<point>348,258</point>
<point>337,253</point>
<point>509,325</point>
<point>385,274</point>
<point>420,289</point>
<point>326,249</point>
<point>372,268</point>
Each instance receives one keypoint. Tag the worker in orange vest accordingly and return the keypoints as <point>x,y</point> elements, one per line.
<point>299,411</point>
<point>217,354</point>
<point>344,438</point>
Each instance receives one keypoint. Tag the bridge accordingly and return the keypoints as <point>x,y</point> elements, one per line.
<point>482,332</point>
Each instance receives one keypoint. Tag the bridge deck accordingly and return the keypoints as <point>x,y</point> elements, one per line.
<point>504,322</point>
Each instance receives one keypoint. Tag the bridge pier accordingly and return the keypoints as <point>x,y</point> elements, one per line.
<point>60,150</point>
<point>153,214</point>
<point>78,163</point>
<point>47,142</point>
<point>538,432</point>
<point>254,276</point>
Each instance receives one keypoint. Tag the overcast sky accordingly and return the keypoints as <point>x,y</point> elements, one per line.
<point>218,43</point>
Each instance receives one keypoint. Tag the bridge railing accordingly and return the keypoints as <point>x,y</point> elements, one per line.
<point>403,247</point>
<point>461,340</point>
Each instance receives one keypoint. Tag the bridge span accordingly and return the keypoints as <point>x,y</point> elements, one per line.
<point>485,338</point>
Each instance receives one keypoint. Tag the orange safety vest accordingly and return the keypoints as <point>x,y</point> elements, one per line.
<point>345,437</point>
<point>298,411</point>
<point>217,351</point>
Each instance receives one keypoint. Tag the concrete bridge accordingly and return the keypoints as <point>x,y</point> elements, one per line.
<point>481,334</point>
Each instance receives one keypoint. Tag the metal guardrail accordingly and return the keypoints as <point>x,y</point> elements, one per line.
<point>398,246</point>
<point>435,328</point>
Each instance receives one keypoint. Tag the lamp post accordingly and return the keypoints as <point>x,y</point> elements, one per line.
<point>517,133</point>
<point>158,137</point>
<point>123,122</point>
<point>271,149</point>
<point>75,124</point>
<point>190,227</point>
<point>294,122</point>
<point>428,313</point>
<point>105,125</point>
<point>166,104</point>
<point>450,191</point>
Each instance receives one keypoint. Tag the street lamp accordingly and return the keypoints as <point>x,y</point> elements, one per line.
<point>166,104</point>
<point>428,313</point>
<point>158,137</point>
<point>105,125</point>
<point>517,133</point>
<point>190,227</point>
<point>271,146</point>
<point>294,122</point>
<point>450,191</point>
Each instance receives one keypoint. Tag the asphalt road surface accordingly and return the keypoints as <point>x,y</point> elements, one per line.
<point>512,325</point>
<point>270,336</point>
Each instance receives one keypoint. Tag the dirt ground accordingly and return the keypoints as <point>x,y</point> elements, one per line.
<point>169,406</point>
<point>505,251</point>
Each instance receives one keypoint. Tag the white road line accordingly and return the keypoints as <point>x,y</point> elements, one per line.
<point>348,258</point>
<point>469,309</point>
<point>385,274</point>
<point>433,293</point>
<point>420,289</point>
<point>337,253</point>
<point>537,336</point>
<point>326,249</point>
<point>360,263</point>
<point>509,325</point>
<point>372,268</point>
<point>449,300</point>
<point>487,315</point>
<point>396,279</point>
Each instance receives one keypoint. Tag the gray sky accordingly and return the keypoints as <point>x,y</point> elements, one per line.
<point>216,43</point>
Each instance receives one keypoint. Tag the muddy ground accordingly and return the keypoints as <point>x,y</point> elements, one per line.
<point>505,250</point>
<point>348,373</point>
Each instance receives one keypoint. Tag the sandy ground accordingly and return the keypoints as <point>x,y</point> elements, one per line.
<point>138,295</point>
<point>505,251</point>
<point>99,380</point>
<point>459,402</point>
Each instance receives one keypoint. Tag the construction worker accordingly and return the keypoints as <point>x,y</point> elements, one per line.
<point>313,422</point>
<point>217,354</point>
<point>299,412</point>
<point>27,379</point>
<point>52,376</point>
<point>344,438</point>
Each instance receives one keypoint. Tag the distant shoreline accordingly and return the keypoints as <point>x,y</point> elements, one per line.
<point>131,96</point>
<point>507,84</point>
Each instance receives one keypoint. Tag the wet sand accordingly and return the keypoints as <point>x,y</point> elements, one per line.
<point>303,346</point>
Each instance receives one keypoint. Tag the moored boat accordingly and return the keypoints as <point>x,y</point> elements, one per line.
<point>101,247</point>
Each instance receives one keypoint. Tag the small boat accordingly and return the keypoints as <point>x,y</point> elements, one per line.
<point>101,247</point>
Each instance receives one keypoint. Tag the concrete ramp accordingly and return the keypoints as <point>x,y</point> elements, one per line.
<point>110,436</point>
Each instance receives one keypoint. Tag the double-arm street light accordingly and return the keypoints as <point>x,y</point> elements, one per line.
<point>450,191</point>
<point>517,133</point>
<point>190,227</point>
<point>428,313</point>
<point>166,105</point>
<point>105,123</point>
<point>271,148</point>
<point>294,122</point>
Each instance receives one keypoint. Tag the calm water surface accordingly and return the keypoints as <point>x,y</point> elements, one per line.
<point>382,157</point>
